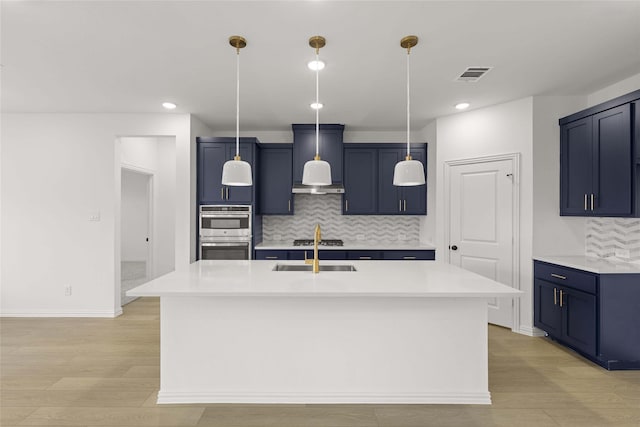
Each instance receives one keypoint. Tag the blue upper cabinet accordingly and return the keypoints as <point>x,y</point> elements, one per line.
<point>360,181</point>
<point>394,200</point>
<point>212,154</point>
<point>275,180</point>
<point>304,148</point>
<point>369,185</point>
<point>597,161</point>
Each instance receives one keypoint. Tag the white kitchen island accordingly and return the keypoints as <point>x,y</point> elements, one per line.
<point>390,332</point>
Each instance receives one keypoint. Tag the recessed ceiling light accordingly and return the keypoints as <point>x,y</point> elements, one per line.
<point>169,105</point>
<point>462,106</point>
<point>316,105</point>
<point>315,65</point>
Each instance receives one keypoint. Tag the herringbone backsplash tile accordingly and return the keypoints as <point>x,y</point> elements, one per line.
<point>606,237</point>
<point>326,210</point>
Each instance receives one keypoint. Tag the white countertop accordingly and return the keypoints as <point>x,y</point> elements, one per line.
<point>349,245</point>
<point>592,264</point>
<point>372,279</point>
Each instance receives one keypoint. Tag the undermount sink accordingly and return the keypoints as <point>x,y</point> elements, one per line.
<point>306,267</point>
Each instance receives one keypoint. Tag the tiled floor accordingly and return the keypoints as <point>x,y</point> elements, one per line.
<point>105,372</point>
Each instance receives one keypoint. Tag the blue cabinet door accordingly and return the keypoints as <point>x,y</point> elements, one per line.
<point>360,181</point>
<point>330,148</point>
<point>612,162</point>
<point>579,320</point>
<point>389,201</point>
<point>211,157</point>
<point>414,198</point>
<point>576,160</point>
<point>275,181</point>
<point>547,312</point>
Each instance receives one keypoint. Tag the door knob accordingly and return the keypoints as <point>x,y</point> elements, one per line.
<point>453,248</point>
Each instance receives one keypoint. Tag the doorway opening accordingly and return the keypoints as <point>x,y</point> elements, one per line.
<point>136,228</point>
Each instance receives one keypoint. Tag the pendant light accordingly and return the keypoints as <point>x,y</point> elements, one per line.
<point>317,172</point>
<point>408,172</point>
<point>237,172</point>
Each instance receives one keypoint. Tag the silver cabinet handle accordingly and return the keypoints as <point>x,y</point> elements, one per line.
<point>400,205</point>
<point>408,257</point>
<point>222,193</point>
<point>555,296</point>
<point>592,197</point>
<point>227,193</point>
<point>272,257</point>
<point>405,205</point>
<point>346,205</point>
<point>561,293</point>
<point>289,205</point>
<point>557,276</point>
<point>365,257</point>
<point>585,202</point>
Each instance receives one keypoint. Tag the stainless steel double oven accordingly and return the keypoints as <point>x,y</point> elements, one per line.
<point>225,232</point>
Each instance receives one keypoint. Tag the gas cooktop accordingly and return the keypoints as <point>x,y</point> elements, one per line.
<point>324,242</point>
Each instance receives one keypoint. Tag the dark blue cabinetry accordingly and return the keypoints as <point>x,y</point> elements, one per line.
<point>597,161</point>
<point>332,254</point>
<point>595,314</point>
<point>304,148</point>
<point>369,185</point>
<point>360,181</point>
<point>212,154</point>
<point>275,180</point>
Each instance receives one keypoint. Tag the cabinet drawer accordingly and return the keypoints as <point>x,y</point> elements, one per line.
<point>409,255</point>
<point>271,254</point>
<point>364,255</point>
<point>580,280</point>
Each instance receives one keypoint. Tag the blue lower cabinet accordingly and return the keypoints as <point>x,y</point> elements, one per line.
<point>332,254</point>
<point>270,254</point>
<point>596,315</point>
<point>424,255</point>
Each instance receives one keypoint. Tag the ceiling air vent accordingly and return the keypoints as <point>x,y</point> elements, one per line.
<point>472,74</point>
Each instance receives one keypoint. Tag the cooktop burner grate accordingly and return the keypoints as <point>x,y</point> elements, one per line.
<point>324,242</point>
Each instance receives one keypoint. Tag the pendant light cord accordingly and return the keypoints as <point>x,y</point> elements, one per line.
<point>238,104</point>
<point>317,105</point>
<point>408,104</point>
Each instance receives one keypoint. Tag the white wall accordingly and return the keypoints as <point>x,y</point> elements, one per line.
<point>622,87</point>
<point>57,171</point>
<point>501,129</point>
<point>134,216</point>
<point>156,156</point>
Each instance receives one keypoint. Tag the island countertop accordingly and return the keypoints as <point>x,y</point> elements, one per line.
<point>427,279</point>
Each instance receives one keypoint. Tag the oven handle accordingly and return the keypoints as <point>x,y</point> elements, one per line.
<point>224,244</point>
<point>220,215</point>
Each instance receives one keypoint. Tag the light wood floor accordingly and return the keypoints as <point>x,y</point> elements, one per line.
<point>105,372</point>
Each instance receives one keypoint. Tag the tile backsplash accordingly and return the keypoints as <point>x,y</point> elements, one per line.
<point>326,210</point>
<point>613,237</point>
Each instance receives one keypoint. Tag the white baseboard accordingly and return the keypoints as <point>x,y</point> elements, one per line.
<point>56,313</point>
<point>530,331</point>
<point>324,398</point>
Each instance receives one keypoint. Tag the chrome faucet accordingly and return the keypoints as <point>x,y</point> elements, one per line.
<point>316,259</point>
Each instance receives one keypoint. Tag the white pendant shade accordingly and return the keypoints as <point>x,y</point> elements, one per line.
<point>408,172</point>
<point>236,173</point>
<point>316,172</point>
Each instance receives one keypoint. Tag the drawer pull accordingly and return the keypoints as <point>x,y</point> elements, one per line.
<point>365,257</point>
<point>272,257</point>
<point>408,257</point>
<point>557,276</point>
<point>555,296</point>
<point>560,297</point>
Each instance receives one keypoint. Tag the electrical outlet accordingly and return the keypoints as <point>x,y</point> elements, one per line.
<point>622,253</point>
<point>67,290</point>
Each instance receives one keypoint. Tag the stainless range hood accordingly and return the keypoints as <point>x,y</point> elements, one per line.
<point>324,189</point>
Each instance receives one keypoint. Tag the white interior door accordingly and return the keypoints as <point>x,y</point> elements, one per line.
<point>481,226</point>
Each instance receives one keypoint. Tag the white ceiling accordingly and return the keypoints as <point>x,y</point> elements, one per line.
<point>125,56</point>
